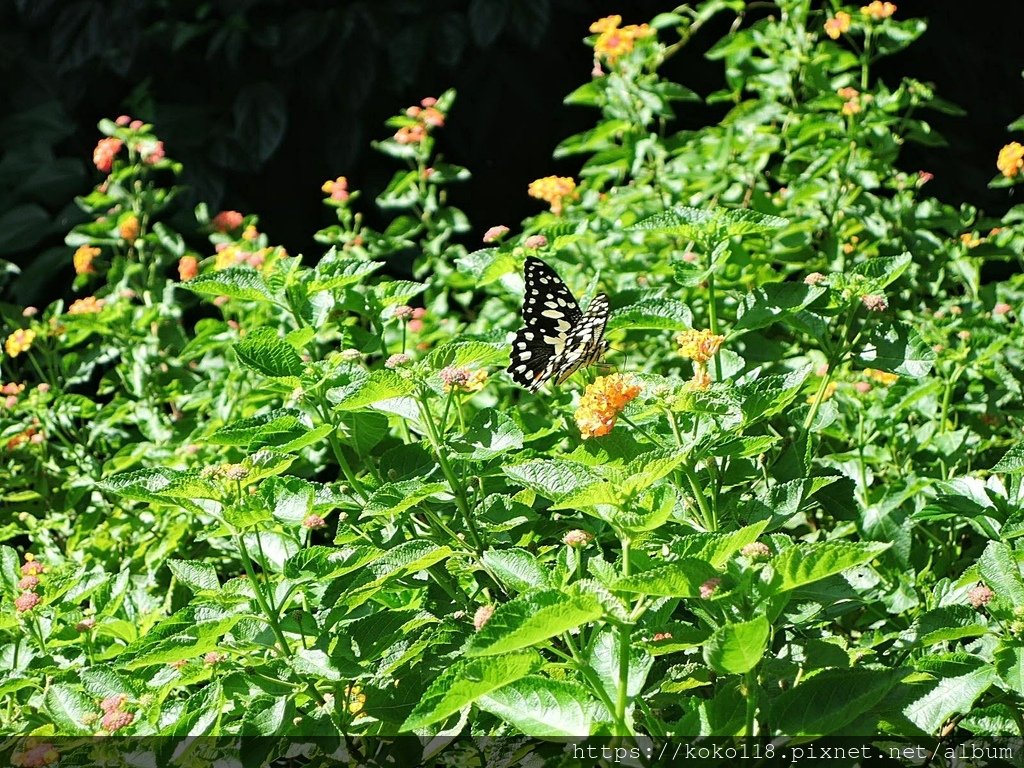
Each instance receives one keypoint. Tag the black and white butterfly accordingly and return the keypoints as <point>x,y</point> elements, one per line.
<point>559,337</point>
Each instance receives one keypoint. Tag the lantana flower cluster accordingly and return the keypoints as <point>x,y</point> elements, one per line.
<point>427,116</point>
<point>700,347</point>
<point>29,598</point>
<point>613,42</point>
<point>603,401</point>
<point>554,190</point>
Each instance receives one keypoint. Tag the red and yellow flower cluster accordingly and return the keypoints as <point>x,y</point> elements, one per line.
<point>554,190</point>
<point>838,25</point>
<point>426,115</point>
<point>603,401</point>
<point>613,42</point>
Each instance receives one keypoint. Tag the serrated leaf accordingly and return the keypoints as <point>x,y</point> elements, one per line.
<point>804,564</point>
<point>490,433</point>
<point>545,708</point>
<point>734,649</point>
<point>194,574</point>
<point>378,386</point>
<point>392,499</point>
<point>652,314</point>
<point>235,283</point>
<point>828,700</point>
<point>468,354</point>
<point>465,682</point>
<point>267,353</point>
<point>897,348</point>
<point>681,578</point>
<point>951,695</point>
<point>532,618</point>
<point>517,569</point>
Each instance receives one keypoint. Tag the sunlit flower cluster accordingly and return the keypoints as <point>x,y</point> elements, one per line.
<point>129,228</point>
<point>86,306</point>
<point>28,599</point>
<point>495,233</point>
<point>878,10</point>
<point>554,190</point>
<point>462,379</point>
<point>614,42</point>
<point>19,341</point>
<point>1011,159</point>
<point>884,378</point>
<point>851,100</point>
<point>105,152</point>
<point>114,715</point>
<point>227,221</point>
<point>427,116</point>
<point>188,268</point>
<point>336,189</point>
<point>603,401</point>
<point>83,258</point>
<point>838,25</point>
<point>699,346</point>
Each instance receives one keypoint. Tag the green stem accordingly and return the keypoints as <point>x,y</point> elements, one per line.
<point>622,692</point>
<point>708,517</point>
<point>750,684</point>
<point>947,396</point>
<point>446,468</point>
<point>272,617</point>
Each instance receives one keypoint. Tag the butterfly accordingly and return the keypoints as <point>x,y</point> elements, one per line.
<point>559,338</point>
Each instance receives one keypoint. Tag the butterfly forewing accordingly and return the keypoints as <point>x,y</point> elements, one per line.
<point>558,337</point>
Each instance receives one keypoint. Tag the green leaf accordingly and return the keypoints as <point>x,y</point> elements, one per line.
<point>200,713</point>
<point>716,548</point>
<point>195,575</point>
<point>487,265</point>
<point>324,563</point>
<point>951,695</point>
<point>244,431</point>
<point>490,433</point>
<point>806,563</point>
<point>266,716</point>
<point>734,649</point>
<point>682,578</point>
<point>999,568</point>
<point>883,270</point>
<point>532,618</point>
<point>334,272</point>
<point>897,348</point>
<point>468,354</point>
<point>552,478</point>
<point>379,385</point>
<point>546,708</point>
<point>1009,662</point>
<point>517,569</point>
<point>770,304</point>
<point>69,709</point>
<point>827,701</point>
<point>267,353</point>
<point>652,314</point>
<point>1012,462</point>
<point>317,665</point>
<point>392,499</point>
<point>465,682</point>
<point>235,283</point>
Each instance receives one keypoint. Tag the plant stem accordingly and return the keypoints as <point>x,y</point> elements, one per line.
<point>624,645</point>
<point>446,468</point>
<point>750,683</point>
<point>708,517</point>
<point>272,617</point>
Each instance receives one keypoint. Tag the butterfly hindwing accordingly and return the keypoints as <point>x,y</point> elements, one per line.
<point>558,338</point>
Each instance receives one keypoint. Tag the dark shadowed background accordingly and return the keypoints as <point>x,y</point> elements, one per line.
<point>262,100</point>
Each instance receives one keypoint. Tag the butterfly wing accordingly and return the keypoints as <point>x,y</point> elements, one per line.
<point>585,343</point>
<point>558,337</point>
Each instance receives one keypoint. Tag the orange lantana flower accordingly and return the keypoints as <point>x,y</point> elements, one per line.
<point>603,401</point>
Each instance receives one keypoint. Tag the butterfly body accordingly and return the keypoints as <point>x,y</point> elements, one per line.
<point>559,337</point>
